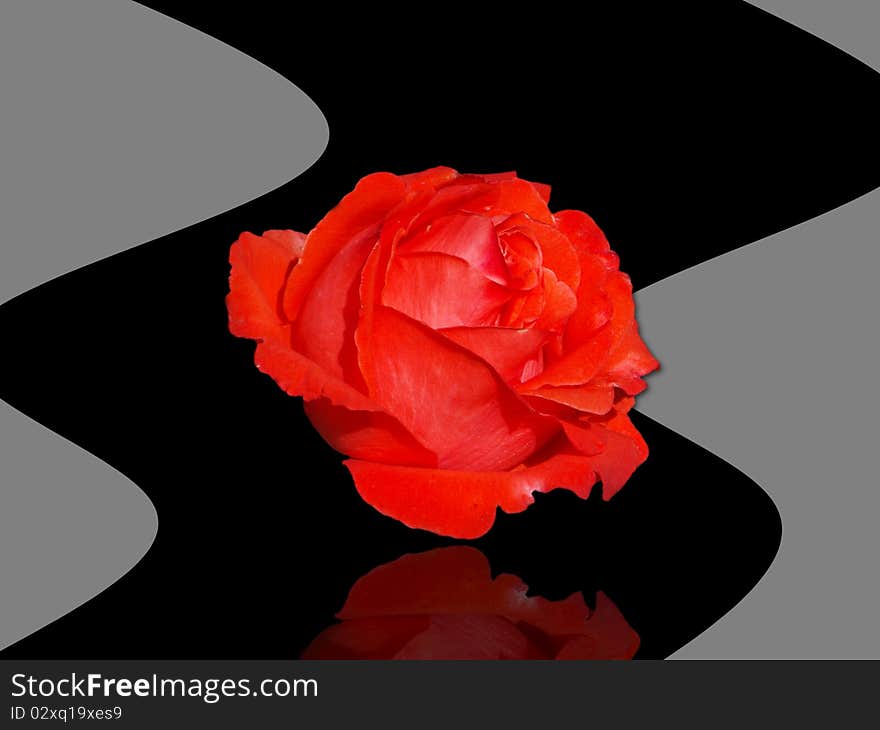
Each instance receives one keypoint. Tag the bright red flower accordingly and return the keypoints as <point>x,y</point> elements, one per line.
<point>462,344</point>
<point>445,604</point>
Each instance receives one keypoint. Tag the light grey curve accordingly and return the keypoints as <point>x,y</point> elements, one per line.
<point>117,125</point>
<point>770,361</point>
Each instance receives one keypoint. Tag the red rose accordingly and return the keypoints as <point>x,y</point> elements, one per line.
<point>461,343</point>
<point>444,604</point>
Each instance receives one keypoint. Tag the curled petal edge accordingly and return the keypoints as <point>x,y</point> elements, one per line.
<point>463,504</point>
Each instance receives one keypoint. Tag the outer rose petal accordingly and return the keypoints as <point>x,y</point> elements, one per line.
<point>260,265</point>
<point>462,504</point>
<point>588,358</point>
<point>494,177</point>
<point>453,199</point>
<point>365,206</point>
<point>324,329</point>
<point>510,196</point>
<point>434,177</point>
<point>290,240</point>
<point>299,375</point>
<point>579,366</point>
<point>594,305</point>
<point>374,273</point>
<point>623,450</point>
<point>582,231</point>
<point>360,427</point>
<point>597,399</point>
<point>369,435</point>
<point>543,191</point>
<point>630,361</point>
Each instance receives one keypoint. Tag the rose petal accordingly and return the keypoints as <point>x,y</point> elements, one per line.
<point>623,449</point>
<point>462,504</point>
<point>524,310</point>
<point>630,361</point>
<point>543,190</point>
<point>594,305</point>
<point>442,291</point>
<point>510,196</point>
<point>506,350</point>
<point>324,329</point>
<point>437,637</point>
<point>618,287</point>
<point>586,359</point>
<point>371,200</point>
<point>300,376</point>
<point>370,291</point>
<point>445,602</point>
<point>582,231</point>
<point>450,200</point>
<point>596,399</point>
<point>458,579</point>
<point>494,177</point>
<point>558,252</point>
<point>449,399</point>
<point>260,266</point>
<point>379,637</point>
<point>347,419</point>
<point>373,276</point>
<point>534,365</point>
<point>579,366</point>
<point>560,303</point>
<point>434,177</point>
<point>369,435</point>
<point>468,237</point>
<point>454,579</point>
<point>606,635</point>
<point>466,637</point>
<point>287,239</point>
<point>522,258</point>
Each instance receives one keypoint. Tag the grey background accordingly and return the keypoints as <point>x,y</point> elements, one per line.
<point>769,360</point>
<point>117,125</point>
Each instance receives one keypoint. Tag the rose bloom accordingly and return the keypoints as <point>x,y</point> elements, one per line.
<point>444,604</point>
<point>463,345</point>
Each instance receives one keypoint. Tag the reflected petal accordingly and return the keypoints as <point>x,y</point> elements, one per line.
<point>445,604</point>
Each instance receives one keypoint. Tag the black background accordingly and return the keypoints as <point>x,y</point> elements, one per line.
<point>685,130</point>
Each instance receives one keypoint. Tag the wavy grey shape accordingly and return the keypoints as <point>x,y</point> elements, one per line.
<point>118,125</point>
<point>769,356</point>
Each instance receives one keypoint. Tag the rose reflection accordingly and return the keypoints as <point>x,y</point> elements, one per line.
<point>444,604</point>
